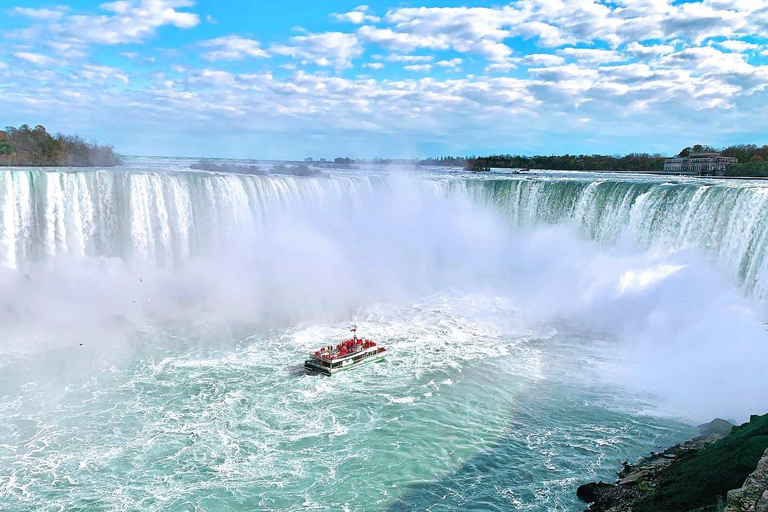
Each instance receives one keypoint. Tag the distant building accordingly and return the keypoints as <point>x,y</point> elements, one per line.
<point>323,160</point>
<point>309,159</point>
<point>701,164</point>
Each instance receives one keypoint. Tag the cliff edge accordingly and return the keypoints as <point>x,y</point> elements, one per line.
<point>724,467</point>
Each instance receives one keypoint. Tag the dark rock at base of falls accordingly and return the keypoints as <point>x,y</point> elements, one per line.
<point>726,468</point>
<point>604,496</point>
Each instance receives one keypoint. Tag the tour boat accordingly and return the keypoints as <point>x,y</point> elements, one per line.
<point>346,355</point>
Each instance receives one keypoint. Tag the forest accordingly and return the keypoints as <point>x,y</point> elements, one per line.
<point>25,146</point>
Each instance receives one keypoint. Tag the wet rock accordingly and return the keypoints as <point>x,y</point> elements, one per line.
<point>639,480</point>
<point>604,497</point>
<point>753,495</point>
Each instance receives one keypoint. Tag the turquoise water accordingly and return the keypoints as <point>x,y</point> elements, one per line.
<point>471,409</point>
<point>541,330</point>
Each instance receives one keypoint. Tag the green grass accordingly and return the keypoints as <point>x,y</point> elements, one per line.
<point>701,479</point>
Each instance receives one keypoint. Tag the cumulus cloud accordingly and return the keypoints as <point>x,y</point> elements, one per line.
<point>625,61</point>
<point>36,58</point>
<point>335,49</point>
<point>102,73</point>
<point>39,14</point>
<point>542,59</point>
<point>67,50</point>
<point>450,63</point>
<point>466,30</point>
<point>648,51</point>
<point>125,21</point>
<point>418,68</point>
<point>232,47</point>
<point>739,46</point>
<point>554,23</point>
<point>358,16</point>
<point>409,58</point>
<point>591,55</point>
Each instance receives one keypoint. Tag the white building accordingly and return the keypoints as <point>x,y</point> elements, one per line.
<point>701,164</point>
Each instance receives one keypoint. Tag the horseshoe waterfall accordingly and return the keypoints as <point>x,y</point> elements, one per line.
<point>541,329</point>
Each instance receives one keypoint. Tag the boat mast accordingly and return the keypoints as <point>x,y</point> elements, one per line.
<point>354,332</point>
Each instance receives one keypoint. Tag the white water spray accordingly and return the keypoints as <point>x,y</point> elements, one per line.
<point>678,276</point>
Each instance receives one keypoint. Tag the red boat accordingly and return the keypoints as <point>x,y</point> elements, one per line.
<point>346,355</point>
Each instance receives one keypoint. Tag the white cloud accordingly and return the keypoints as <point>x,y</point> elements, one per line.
<point>36,58</point>
<point>232,47</point>
<point>126,22</point>
<point>591,55</point>
<point>39,14</point>
<point>452,63</point>
<point>418,68</point>
<point>466,30</point>
<point>357,16</point>
<point>542,59</point>
<point>648,51</point>
<point>669,65</point>
<point>67,50</point>
<point>739,46</point>
<point>409,58</point>
<point>209,77</point>
<point>399,41</point>
<point>554,23</point>
<point>102,73</point>
<point>323,49</point>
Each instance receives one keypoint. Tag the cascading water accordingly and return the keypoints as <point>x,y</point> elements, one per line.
<point>163,219</point>
<point>725,219</point>
<point>154,321</point>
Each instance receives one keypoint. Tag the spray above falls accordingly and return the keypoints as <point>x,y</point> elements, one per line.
<point>164,219</point>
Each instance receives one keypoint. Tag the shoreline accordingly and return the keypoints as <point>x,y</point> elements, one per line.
<point>724,468</point>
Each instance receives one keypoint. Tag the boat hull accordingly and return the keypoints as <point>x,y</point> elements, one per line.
<point>312,366</point>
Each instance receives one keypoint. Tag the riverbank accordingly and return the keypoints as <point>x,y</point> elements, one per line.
<point>35,147</point>
<point>725,468</point>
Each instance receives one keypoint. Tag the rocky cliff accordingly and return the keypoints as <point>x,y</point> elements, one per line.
<point>753,495</point>
<point>700,474</point>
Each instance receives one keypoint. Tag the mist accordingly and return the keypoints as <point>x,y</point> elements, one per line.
<point>321,251</point>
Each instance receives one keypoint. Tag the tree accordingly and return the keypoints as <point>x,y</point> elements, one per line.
<point>6,148</point>
<point>35,146</point>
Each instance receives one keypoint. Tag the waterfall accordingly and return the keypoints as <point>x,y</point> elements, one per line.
<point>727,221</point>
<point>166,218</point>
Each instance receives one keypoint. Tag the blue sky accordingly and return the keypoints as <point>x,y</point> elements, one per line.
<point>265,79</point>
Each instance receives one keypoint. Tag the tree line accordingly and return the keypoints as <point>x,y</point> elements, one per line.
<point>752,159</point>
<point>25,146</point>
<point>630,162</point>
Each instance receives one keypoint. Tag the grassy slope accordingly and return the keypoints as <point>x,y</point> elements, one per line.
<point>699,479</point>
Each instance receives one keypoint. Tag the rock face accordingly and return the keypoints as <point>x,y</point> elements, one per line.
<point>753,495</point>
<point>616,498</point>
<point>727,467</point>
<point>636,481</point>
